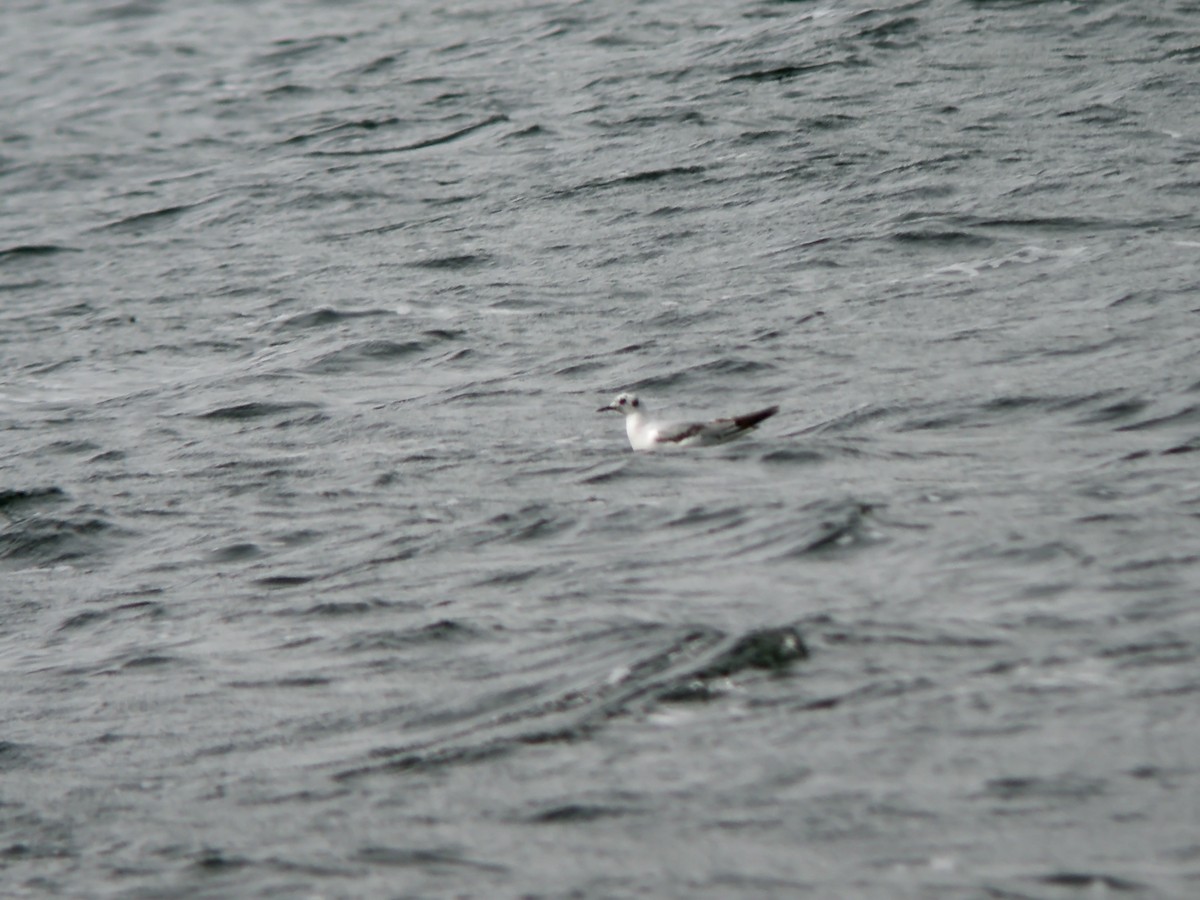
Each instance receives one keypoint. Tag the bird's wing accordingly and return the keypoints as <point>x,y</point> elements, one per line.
<point>714,432</point>
<point>679,432</point>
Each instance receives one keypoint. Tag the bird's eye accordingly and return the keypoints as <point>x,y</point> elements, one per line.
<point>635,403</point>
<point>621,402</point>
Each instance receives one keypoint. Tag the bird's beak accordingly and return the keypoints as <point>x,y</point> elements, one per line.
<point>607,408</point>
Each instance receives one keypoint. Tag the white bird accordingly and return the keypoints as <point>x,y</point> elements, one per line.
<point>647,435</point>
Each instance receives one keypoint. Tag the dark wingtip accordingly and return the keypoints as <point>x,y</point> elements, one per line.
<point>751,419</point>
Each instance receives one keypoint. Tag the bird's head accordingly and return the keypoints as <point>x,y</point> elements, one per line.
<point>624,403</point>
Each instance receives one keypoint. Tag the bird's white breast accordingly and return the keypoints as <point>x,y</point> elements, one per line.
<point>641,433</point>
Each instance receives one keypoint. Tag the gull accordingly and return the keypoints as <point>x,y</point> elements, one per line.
<point>647,435</point>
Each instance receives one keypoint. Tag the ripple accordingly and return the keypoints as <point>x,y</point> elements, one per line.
<point>325,317</point>
<point>422,144</point>
<point>19,252</point>
<point>17,500</point>
<point>48,540</point>
<point>239,412</point>
<point>454,262</point>
<point>362,355</point>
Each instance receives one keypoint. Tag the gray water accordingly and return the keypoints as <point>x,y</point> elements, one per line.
<point>321,577</point>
